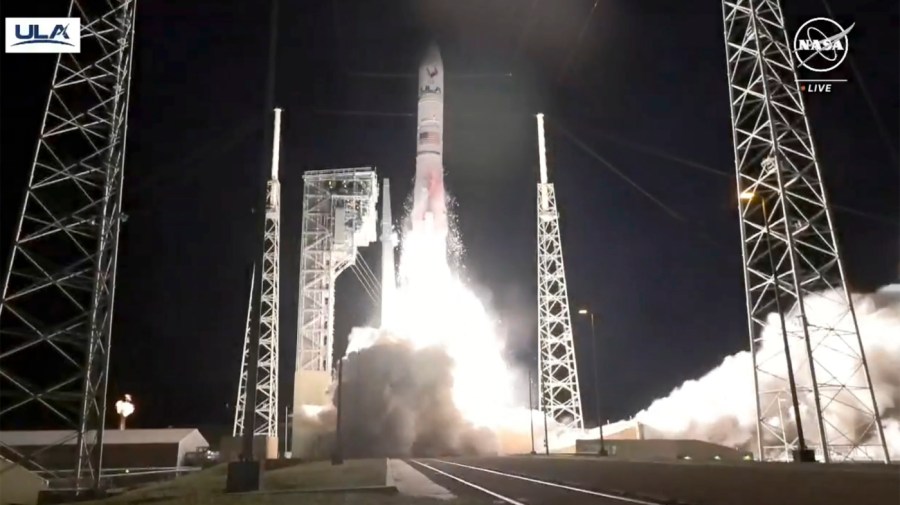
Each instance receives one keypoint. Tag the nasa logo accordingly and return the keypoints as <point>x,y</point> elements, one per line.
<point>43,35</point>
<point>821,44</point>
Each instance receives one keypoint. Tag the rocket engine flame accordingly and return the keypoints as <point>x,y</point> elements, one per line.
<point>432,380</point>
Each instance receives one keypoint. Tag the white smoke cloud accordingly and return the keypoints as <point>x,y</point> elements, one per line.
<point>720,406</point>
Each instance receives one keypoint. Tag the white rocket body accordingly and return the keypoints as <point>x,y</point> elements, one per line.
<point>429,207</point>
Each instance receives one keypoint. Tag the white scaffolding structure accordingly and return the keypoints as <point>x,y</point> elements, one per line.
<point>560,396</point>
<point>791,256</point>
<point>57,307</point>
<point>266,409</point>
<point>339,216</point>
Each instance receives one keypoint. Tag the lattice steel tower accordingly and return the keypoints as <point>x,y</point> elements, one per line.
<point>560,396</point>
<point>57,306</point>
<point>266,409</point>
<point>339,216</point>
<point>792,264</point>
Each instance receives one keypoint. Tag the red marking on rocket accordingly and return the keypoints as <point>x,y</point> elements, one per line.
<point>429,205</point>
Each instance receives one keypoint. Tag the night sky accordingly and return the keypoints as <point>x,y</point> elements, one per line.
<point>647,77</point>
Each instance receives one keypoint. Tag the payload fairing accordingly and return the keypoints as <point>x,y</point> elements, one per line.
<point>429,208</point>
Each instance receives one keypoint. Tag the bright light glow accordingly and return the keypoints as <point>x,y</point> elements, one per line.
<point>434,308</point>
<point>747,195</point>
<point>124,407</point>
<point>582,311</point>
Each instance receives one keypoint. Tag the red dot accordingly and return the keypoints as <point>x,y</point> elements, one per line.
<point>803,87</point>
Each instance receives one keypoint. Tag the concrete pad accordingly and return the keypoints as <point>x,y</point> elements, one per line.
<point>412,482</point>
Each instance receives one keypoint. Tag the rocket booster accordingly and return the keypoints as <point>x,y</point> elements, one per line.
<point>429,207</point>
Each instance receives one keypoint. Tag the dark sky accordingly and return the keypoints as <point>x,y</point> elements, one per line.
<point>669,292</point>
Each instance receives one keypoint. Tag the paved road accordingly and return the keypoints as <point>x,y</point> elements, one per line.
<point>684,482</point>
<point>474,482</point>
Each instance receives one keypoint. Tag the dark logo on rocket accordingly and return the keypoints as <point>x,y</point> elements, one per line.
<point>432,71</point>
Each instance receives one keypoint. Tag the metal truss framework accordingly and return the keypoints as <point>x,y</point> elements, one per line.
<point>560,396</point>
<point>58,294</point>
<point>792,264</point>
<point>266,409</point>
<point>238,426</point>
<point>339,216</point>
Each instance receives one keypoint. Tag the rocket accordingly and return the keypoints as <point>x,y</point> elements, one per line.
<point>429,207</point>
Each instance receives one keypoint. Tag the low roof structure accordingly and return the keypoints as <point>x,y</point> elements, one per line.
<point>131,448</point>
<point>110,437</point>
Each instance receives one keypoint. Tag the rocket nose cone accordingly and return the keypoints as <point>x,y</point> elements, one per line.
<point>432,55</point>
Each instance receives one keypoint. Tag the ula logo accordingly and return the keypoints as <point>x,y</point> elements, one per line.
<point>43,35</point>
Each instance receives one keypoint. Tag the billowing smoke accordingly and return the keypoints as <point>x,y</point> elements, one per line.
<point>398,401</point>
<point>720,408</point>
<point>432,380</point>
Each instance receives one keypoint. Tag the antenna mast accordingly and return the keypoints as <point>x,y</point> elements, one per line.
<point>266,408</point>
<point>57,306</point>
<point>560,396</point>
<point>791,257</point>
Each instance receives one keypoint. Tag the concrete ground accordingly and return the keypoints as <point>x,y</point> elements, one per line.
<point>681,482</point>
<point>533,480</point>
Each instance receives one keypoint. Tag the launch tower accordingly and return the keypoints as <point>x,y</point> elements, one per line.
<point>791,256</point>
<point>560,396</point>
<point>57,308</point>
<point>339,216</point>
<point>388,243</point>
<point>266,408</point>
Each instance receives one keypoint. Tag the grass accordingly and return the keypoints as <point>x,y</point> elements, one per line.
<point>321,474</point>
<point>207,487</point>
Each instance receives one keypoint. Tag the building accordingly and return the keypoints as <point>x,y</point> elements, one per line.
<point>662,450</point>
<point>628,440</point>
<point>122,449</point>
<point>19,486</point>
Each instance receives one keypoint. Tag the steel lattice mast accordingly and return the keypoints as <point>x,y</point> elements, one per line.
<point>791,259</point>
<point>266,408</point>
<point>560,396</point>
<point>59,288</point>
<point>241,402</point>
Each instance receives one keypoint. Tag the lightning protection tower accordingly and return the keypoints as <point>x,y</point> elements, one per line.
<point>266,408</point>
<point>560,396</point>
<point>58,293</point>
<point>339,216</point>
<point>791,256</point>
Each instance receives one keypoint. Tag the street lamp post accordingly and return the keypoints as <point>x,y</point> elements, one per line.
<point>803,454</point>
<point>602,451</point>
<point>531,409</point>
<point>287,423</point>
<point>337,456</point>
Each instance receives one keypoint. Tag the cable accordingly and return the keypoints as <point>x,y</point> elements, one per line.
<point>205,154</point>
<point>363,281</point>
<point>668,210</point>
<point>366,268</point>
<point>526,27</point>
<point>361,278</point>
<point>333,112</point>
<point>882,130</point>
<point>722,173</point>
<point>571,57</point>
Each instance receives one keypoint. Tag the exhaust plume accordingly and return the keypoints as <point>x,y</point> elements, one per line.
<point>720,407</point>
